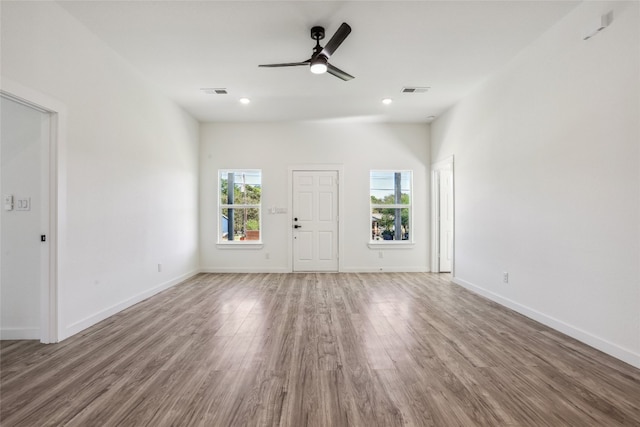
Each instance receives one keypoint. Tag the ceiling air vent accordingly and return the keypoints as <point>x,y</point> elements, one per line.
<point>214,91</point>
<point>413,89</point>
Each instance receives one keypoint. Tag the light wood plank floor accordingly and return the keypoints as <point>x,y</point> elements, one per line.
<point>316,350</point>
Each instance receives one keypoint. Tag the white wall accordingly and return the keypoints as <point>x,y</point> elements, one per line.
<point>129,169</point>
<point>547,180</point>
<point>22,139</point>
<point>358,147</point>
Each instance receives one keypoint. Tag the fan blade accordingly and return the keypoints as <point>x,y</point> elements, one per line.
<point>335,71</point>
<point>287,64</point>
<point>336,40</point>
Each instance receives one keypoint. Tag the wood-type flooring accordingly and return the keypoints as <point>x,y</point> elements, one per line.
<point>345,349</point>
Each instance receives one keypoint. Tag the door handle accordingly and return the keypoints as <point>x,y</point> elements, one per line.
<point>297,226</point>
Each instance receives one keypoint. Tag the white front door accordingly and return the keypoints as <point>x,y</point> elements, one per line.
<point>315,220</point>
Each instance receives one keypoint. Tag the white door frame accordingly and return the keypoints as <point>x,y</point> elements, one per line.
<point>445,163</point>
<point>321,168</point>
<point>52,180</point>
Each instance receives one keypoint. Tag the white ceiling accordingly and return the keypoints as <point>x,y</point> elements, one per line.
<point>449,46</point>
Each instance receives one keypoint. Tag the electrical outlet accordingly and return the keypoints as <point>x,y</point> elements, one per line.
<point>267,255</point>
<point>159,268</point>
<point>505,277</point>
<point>380,254</point>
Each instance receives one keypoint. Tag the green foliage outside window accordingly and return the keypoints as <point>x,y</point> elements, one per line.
<point>243,207</point>
<point>388,215</point>
<point>390,193</point>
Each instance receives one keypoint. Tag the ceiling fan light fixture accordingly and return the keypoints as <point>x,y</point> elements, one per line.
<point>319,61</point>
<point>319,64</point>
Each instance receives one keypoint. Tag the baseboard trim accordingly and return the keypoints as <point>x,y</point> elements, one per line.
<point>20,334</point>
<point>344,270</point>
<point>76,327</point>
<point>624,354</point>
<point>385,270</point>
<point>243,270</point>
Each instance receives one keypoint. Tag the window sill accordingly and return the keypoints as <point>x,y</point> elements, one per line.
<point>390,244</point>
<point>240,245</point>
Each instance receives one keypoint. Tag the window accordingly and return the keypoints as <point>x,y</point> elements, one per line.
<point>240,201</point>
<point>390,193</point>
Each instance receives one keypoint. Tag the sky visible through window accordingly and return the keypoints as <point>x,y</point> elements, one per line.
<point>382,183</point>
<point>248,177</point>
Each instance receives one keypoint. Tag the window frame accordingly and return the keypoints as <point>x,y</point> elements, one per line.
<point>223,206</point>
<point>392,243</point>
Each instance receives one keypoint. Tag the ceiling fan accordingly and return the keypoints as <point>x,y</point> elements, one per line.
<point>319,61</point>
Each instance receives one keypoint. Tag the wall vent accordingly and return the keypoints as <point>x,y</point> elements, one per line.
<point>414,89</point>
<point>214,91</point>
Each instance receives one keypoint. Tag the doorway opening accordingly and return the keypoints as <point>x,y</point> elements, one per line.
<point>442,202</point>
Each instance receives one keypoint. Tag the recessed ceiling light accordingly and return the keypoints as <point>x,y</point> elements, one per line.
<point>245,101</point>
<point>387,101</point>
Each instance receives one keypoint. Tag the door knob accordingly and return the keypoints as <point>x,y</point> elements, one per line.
<point>297,226</point>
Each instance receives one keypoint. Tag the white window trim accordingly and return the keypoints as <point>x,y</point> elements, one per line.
<point>393,244</point>
<point>238,244</point>
<point>246,244</point>
<point>390,244</point>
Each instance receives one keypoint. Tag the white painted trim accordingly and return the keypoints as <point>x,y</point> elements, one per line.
<point>624,354</point>
<point>220,241</point>
<point>386,270</point>
<point>447,162</point>
<point>50,328</point>
<point>89,321</point>
<point>240,245</point>
<point>248,270</point>
<point>20,334</point>
<point>435,229</point>
<point>411,240</point>
<point>442,163</point>
<point>390,244</point>
<point>339,168</point>
<point>47,193</point>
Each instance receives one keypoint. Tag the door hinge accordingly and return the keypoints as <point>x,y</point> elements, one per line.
<point>43,237</point>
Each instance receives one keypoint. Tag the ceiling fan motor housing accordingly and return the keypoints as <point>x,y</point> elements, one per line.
<point>317,33</point>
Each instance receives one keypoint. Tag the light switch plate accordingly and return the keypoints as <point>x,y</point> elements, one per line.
<point>8,202</point>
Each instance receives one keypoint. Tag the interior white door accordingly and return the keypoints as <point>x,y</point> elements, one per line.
<point>23,219</point>
<point>315,220</point>
<point>446,219</point>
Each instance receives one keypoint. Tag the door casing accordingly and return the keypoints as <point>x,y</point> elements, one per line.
<point>321,168</point>
<point>54,216</point>
<point>436,168</point>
